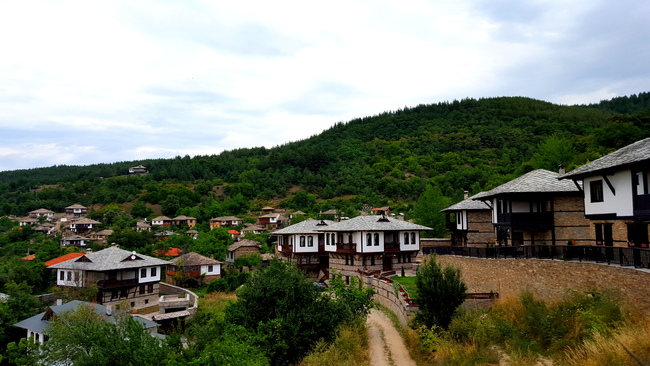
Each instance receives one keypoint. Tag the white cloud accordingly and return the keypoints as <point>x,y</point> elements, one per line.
<point>152,79</point>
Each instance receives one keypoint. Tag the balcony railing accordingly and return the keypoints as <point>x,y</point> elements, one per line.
<point>623,256</point>
<point>349,248</point>
<point>391,247</point>
<point>104,284</point>
<point>286,249</point>
<point>527,220</point>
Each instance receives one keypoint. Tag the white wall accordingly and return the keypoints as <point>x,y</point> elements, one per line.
<point>619,204</point>
<point>149,277</point>
<point>71,278</point>
<point>216,269</point>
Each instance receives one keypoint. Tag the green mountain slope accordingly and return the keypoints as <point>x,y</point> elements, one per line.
<point>391,157</point>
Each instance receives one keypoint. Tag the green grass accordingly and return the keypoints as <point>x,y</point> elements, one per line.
<point>409,284</point>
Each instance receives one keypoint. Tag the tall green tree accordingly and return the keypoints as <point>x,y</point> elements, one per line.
<point>426,210</point>
<point>440,293</point>
<point>553,152</point>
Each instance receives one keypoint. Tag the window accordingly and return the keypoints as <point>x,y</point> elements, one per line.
<point>69,276</point>
<point>154,272</point>
<point>327,239</point>
<point>368,239</point>
<point>150,288</point>
<point>210,268</point>
<point>146,301</point>
<point>376,239</point>
<point>596,191</point>
<point>310,241</point>
<point>333,239</point>
<point>302,241</point>
<point>406,238</point>
<point>372,260</point>
<point>413,238</point>
<point>141,290</point>
<point>143,273</point>
<point>62,275</point>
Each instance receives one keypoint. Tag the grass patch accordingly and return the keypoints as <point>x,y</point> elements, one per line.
<point>350,347</point>
<point>409,284</point>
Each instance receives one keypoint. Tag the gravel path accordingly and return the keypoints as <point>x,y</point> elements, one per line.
<point>386,346</point>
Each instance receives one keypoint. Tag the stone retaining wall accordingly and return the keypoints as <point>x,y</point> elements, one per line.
<point>385,295</point>
<point>550,280</point>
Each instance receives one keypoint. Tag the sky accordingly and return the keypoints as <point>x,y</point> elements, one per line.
<point>86,82</point>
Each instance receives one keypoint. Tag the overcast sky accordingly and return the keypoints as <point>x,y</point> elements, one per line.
<point>84,82</point>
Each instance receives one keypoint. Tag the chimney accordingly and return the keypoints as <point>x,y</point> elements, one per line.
<point>89,250</point>
<point>59,302</point>
<point>561,169</point>
<point>465,194</point>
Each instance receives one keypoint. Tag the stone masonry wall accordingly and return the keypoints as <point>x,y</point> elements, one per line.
<point>385,295</point>
<point>480,222</point>
<point>550,280</point>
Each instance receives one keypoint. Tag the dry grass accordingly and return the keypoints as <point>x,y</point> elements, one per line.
<point>216,301</point>
<point>630,345</point>
<point>349,348</point>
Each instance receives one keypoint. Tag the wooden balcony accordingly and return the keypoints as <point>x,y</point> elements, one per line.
<point>346,248</point>
<point>286,249</point>
<point>527,220</point>
<point>107,284</point>
<point>391,247</point>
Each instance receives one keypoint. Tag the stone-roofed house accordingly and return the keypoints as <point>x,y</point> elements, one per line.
<point>27,221</point>
<point>376,242</point>
<point>469,222</point>
<point>76,210</point>
<point>37,324</point>
<point>119,275</point>
<point>225,221</point>
<point>74,241</point>
<point>142,225</point>
<point>83,225</point>
<point>162,221</point>
<point>253,228</point>
<point>617,195</point>
<point>101,236</point>
<point>42,212</point>
<point>184,220</point>
<point>537,208</point>
<point>272,220</point>
<point>242,247</point>
<point>138,170</point>
<point>190,269</point>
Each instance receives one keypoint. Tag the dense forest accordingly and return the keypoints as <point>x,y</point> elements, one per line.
<point>389,158</point>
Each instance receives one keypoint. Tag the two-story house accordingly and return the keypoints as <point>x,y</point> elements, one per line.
<point>162,221</point>
<point>374,242</point>
<point>83,225</point>
<point>37,324</point>
<point>42,212</point>
<point>469,222</point>
<point>191,269</point>
<point>617,195</point>
<point>537,208</point>
<point>225,221</point>
<point>119,275</point>
<point>76,210</point>
<point>183,220</point>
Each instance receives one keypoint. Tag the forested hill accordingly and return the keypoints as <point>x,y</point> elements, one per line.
<point>391,157</point>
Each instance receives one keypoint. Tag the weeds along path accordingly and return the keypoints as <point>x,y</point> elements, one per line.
<point>386,346</point>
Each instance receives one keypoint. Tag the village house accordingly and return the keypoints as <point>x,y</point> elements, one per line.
<point>184,220</point>
<point>161,221</point>
<point>616,196</point>
<point>101,237</point>
<point>537,208</point>
<point>74,241</point>
<point>42,212</point>
<point>374,242</point>
<point>138,170</point>
<point>242,247</point>
<point>469,222</point>
<point>83,225</point>
<point>142,225</point>
<point>27,221</point>
<point>76,210</point>
<point>37,324</point>
<point>252,228</point>
<point>224,221</point>
<point>271,220</point>
<point>191,269</point>
<point>119,275</point>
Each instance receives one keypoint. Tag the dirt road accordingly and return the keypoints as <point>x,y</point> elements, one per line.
<point>386,346</point>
